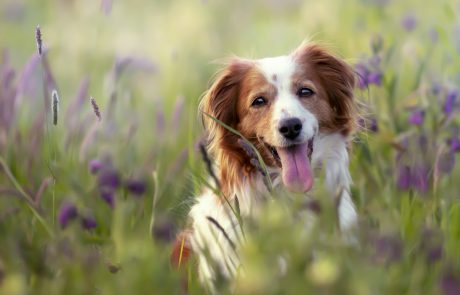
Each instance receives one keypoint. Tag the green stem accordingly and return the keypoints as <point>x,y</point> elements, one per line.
<point>26,197</point>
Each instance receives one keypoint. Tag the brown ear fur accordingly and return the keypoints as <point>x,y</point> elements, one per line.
<point>220,103</point>
<point>338,80</point>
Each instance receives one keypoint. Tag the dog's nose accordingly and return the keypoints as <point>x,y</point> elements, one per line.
<point>290,128</point>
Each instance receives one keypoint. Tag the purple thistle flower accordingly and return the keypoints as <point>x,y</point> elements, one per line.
<point>136,187</point>
<point>95,165</point>
<point>67,212</point>
<point>108,196</point>
<point>108,178</point>
<point>88,221</point>
<point>450,102</point>
<point>409,22</point>
<point>417,117</point>
<point>450,283</point>
<point>403,177</point>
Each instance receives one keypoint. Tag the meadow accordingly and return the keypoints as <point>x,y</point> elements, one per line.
<point>93,191</point>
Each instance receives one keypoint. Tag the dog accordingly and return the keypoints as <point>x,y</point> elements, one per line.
<point>299,112</point>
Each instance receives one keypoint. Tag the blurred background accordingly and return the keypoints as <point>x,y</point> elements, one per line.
<point>90,205</point>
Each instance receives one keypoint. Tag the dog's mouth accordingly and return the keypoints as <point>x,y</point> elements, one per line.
<point>294,161</point>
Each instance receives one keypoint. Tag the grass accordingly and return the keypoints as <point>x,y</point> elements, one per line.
<point>146,64</point>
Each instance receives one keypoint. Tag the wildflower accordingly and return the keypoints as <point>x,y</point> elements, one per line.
<point>67,212</point>
<point>108,178</point>
<point>108,196</point>
<point>95,166</point>
<point>374,127</point>
<point>409,21</point>
<point>454,143</point>
<point>450,283</point>
<point>38,38</point>
<point>403,181</point>
<point>136,187</point>
<point>369,72</point>
<point>420,178</point>
<point>450,102</point>
<point>88,221</point>
<point>55,105</point>
<point>417,117</point>
<point>95,108</point>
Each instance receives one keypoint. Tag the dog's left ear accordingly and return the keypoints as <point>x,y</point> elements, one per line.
<point>338,80</point>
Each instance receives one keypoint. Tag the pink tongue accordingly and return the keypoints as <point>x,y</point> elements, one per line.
<point>297,174</point>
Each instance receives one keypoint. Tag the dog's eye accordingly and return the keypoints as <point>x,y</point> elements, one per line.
<point>305,92</point>
<point>259,101</point>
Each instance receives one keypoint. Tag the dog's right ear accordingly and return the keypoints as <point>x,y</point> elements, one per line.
<point>221,98</point>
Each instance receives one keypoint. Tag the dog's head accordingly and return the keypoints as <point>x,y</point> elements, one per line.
<point>280,104</point>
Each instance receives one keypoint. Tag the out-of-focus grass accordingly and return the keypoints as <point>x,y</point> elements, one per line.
<point>146,63</point>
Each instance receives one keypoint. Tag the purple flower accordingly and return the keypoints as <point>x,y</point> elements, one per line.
<point>417,117</point>
<point>450,102</point>
<point>420,178</point>
<point>363,74</point>
<point>403,181</point>
<point>454,144</point>
<point>88,221</point>
<point>108,196</point>
<point>409,21</point>
<point>94,166</point>
<point>450,284</point>
<point>108,178</point>
<point>374,127</point>
<point>375,78</point>
<point>136,187</point>
<point>67,212</point>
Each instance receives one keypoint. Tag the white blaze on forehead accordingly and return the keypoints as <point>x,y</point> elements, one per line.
<point>279,72</point>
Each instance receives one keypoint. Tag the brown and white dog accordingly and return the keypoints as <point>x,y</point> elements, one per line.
<point>298,110</point>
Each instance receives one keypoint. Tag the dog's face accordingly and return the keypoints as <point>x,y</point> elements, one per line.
<point>280,104</point>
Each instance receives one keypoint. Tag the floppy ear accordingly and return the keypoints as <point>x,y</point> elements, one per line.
<point>220,101</point>
<point>338,80</point>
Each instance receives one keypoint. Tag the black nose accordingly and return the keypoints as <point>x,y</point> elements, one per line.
<point>290,128</point>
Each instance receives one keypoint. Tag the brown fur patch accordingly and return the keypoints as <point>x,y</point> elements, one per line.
<point>337,82</point>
